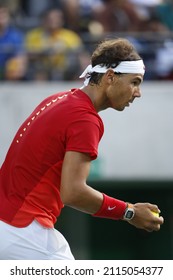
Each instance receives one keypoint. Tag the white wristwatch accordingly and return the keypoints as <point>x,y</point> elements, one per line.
<point>129,212</point>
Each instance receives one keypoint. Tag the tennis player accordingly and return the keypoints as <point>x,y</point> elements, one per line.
<point>48,162</point>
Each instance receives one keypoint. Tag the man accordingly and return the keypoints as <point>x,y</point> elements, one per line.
<point>52,48</point>
<point>49,159</point>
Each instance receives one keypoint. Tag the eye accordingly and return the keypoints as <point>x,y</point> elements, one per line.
<point>135,83</point>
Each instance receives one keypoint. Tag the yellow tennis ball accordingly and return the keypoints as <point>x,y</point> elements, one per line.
<point>155,213</point>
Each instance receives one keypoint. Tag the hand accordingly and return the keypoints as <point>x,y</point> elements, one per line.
<point>144,219</point>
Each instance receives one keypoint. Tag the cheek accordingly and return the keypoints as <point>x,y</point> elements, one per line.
<point>127,92</point>
<point>119,94</point>
<point>124,94</point>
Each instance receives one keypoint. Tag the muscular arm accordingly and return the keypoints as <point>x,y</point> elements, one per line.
<point>74,190</point>
<point>77,194</point>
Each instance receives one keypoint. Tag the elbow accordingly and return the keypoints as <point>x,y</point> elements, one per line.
<point>68,196</point>
<point>72,196</point>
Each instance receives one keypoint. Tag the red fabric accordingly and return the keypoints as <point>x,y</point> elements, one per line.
<point>111,208</point>
<point>31,173</point>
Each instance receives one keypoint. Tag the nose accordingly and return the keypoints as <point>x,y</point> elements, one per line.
<point>137,92</point>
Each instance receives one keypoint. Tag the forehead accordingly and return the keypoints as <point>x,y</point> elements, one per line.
<point>137,77</point>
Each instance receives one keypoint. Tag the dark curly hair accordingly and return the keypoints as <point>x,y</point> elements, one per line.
<point>110,53</point>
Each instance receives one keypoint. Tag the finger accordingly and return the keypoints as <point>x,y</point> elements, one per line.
<point>157,228</point>
<point>154,208</point>
<point>153,228</point>
<point>158,220</point>
<point>157,224</point>
<point>161,220</point>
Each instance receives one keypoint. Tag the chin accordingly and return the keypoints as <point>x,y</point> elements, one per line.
<point>120,109</point>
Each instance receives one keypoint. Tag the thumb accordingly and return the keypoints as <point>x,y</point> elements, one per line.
<point>154,208</point>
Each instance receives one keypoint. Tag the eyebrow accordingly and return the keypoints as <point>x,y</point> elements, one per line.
<point>139,79</point>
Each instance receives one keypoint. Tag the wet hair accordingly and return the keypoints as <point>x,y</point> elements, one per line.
<point>110,53</point>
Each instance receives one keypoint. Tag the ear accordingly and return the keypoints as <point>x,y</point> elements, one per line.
<point>110,76</point>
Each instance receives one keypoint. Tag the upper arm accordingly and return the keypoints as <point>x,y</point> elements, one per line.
<point>75,170</point>
<point>74,190</point>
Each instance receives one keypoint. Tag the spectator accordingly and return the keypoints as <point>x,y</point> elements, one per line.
<point>153,24</point>
<point>165,13</point>
<point>53,49</point>
<point>119,16</point>
<point>145,7</point>
<point>29,12</point>
<point>80,13</point>
<point>13,5</point>
<point>13,61</point>
<point>164,61</point>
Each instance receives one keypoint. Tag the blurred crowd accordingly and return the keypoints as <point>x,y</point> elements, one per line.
<point>52,39</point>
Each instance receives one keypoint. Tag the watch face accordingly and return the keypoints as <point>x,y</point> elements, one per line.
<point>129,214</point>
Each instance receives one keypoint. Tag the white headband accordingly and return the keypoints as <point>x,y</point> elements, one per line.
<point>126,67</point>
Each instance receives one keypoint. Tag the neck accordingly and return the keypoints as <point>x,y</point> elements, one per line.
<point>97,96</point>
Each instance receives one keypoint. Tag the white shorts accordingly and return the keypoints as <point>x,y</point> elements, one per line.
<point>33,242</point>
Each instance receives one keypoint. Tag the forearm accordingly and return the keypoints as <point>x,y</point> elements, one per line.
<point>83,198</point>
<point>98,204</point>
